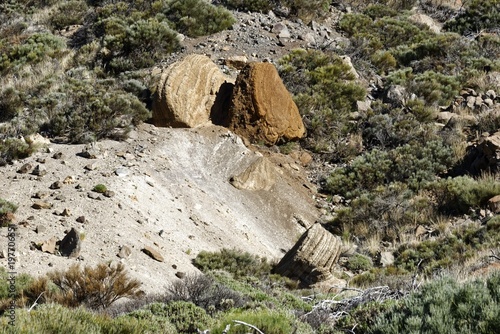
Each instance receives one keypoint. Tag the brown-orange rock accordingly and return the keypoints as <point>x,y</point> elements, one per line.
<point>262,109</point>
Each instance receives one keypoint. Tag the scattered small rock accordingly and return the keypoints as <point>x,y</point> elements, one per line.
<point>180,274</point>
<point>124,252</point>
<point>39,170</point>
<point>69,180</point>
<point>56,185</point>
<point>154,254</point>
<point>40,229</point>
<point>122,172</point>
<point>386,259</point>
<point>109,193</point>
<point>58,155</point>
<point>66,212</point>
<point>41,194</point>
<point>49,246</point>
<point>41,205</point>
<point>94,195</point>
<point>81,220</point>
<point>25,168</point>
<point>91,166</point>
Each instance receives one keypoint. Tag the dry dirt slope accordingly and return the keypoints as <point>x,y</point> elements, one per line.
<point>172,193</point>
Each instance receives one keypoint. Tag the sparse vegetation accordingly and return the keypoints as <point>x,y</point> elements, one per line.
<point>100,188</point>
<point>7,210</point>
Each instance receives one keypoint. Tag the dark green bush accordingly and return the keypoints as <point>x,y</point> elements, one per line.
<point>479,15</point>
<point>238,263</point>
<point>249,5</point>
<point>268,321</point>
<point>444,306</point>
<point>307,10</point>
<point>459,195</point>
<point>197,17</point>
<point>100,188</point>
<point>14,149</point>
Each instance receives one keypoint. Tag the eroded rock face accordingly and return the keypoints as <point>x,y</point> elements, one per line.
<point>312,258</point>
<point>189,92</point>
<point>260,175</point>
<point>262,109</point>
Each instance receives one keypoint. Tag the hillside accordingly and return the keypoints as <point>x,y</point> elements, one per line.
<point>374,192</point>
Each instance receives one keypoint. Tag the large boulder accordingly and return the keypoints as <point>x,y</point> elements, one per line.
<point>313,257</point>
<point>189,92</point>
<point>261,108</point>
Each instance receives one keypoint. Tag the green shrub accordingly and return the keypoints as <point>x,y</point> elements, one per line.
<point>479,15</point>
<point>14,149</point>
<point>268,321</point>
<point>33,49</point>
<point>325,92</point>
<point>249,5</point>
<point>68,13</point>
<point>444,306</point>
<point>185,316</point>
<point>307,10</point>
<point>100,188</point>
<point>53,318</point>
<point>197,17</point>
<point>236,262</point>
<point>7,210</point>
<point>358,263</point>
<point>413,164</point>
<point>459,195</point>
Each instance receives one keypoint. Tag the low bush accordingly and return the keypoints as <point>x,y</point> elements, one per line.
<point>100,188</point>
<point>68,13</point>
<point>238,263</point>
<point>325,92</point>
<point>7,210</point>
<point>359,263</point>
<point>249,5</point>
<point>197,17</point>
<point>96,288</point>
<point>204,292</point>
<point>479,15</point>
<point>184,316</point>
<point>444,306</point>
<point>53,318</point>
<point>462,194</point>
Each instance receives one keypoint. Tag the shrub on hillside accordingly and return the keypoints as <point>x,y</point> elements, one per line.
<point>96,288</point>
<point>307,10</point>
<point>53,318</point>
<point>325,91</point>
<point>249,5</point>
<point>236,262</point>
<point>68,13</point>
<point>7,210</point>
<point>460,194</point>
<point>197,17</point>
<point>444,306</point>
<point>479,15</point>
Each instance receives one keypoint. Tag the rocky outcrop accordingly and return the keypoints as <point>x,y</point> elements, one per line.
<point>260,175</point>
<point>312,258</point>
<point>262,109</point>
<point>190,92</point>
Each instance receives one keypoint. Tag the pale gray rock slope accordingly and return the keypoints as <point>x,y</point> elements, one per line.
<point>171,193</point>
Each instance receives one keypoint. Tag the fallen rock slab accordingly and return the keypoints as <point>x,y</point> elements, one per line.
<point>152,253</point>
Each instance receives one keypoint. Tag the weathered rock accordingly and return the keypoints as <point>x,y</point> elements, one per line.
<point>81,219</point>
<point>423,19</point>
<point>348,62</point>
<point>37,139</point>
<point>40,229</point>
<point>25,168</point>
<point>237,62</point>
<point>494,204</point>
<point>49,246</point>
<point>39,170</point>
<point>56,185</point>
<point>260,175</point>
<point>57,155</point>
<point>262,109</point>
<point>70,245</point>
<point>124,252</point>
<point>180,274</point>
<point>187,92</point>
<point>41,205</point>
<point>395,95</point>
<point>485,156</point>
<point>154,254</point>
<point>312,258</point>
<point>386,259</point>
